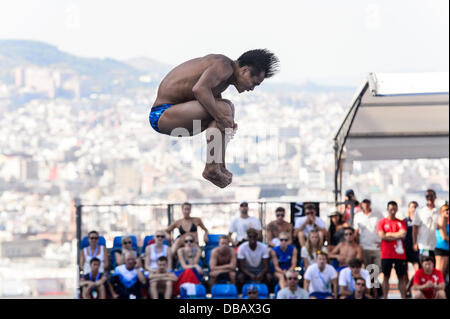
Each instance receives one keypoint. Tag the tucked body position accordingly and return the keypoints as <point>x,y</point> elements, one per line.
<point>189,101</point>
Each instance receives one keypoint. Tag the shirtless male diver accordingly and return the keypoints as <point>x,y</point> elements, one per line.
<point>189,100</point>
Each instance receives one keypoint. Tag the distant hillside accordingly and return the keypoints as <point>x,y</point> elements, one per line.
<point>149,65</point>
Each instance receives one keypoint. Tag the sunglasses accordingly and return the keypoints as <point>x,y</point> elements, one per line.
<point>160,236</point>
<point>309,213</point>
<point>127,242</point>
<point>292,278</point>
<point>360,284</point>
<point>188,241</point>
<point>284,239</point>
<point>252,292</point>
<point>348,234</point>
<point>280,215</point>
<point>429,196</point>
<point>93,238</point>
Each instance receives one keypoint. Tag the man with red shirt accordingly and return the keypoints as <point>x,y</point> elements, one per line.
<point>428,281</point>
<point>392,231</point>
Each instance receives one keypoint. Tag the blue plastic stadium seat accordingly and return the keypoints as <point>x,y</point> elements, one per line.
<point>85,241</point>
<point>263,290</point>
<point>224,291</point>
<point>277,289</point>
<point>147,239</point>
<point>200,293</point>
<point>117,243</point>
<point>213,240</point>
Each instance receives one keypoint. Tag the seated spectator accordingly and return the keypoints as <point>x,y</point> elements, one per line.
<point>156,250</point>
<point>189,255</point>
<point>186,226</point>
<point>335,233</point>
<point>222,263</point>
<point>284,258</point>
<point>360,289</point>
<point>161,281</point>
<point>347,250</point>
<point>307,223</point>
<point>127,245</point>
<point>128,279</point>
<point>252,292</point>
<point>292,291</point>
<point>278,226</point>
<point>428,281</point>
<point>93,284</point>
<point>309,251</point>
<point>253,260</point>
<point>348,275</point>
<point>94,250</point>
<point>321,279</point>
<point>241,224</point>
<point>441,250</point>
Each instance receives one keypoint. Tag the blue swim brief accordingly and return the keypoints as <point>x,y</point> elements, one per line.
<point>155,114</point>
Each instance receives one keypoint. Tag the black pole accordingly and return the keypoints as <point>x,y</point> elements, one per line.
<point>79,212</point>
<point>169,214</point>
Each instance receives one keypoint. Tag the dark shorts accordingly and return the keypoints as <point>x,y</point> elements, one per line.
<point>400,265</point>
<point>412,256</point>
<point>224,277</point>
<point>440,252</point>
<point>156,113</point>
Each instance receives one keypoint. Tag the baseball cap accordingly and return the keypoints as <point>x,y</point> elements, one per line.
<point>244,203</point>
<point>349,192</point>
<point>333,213</point>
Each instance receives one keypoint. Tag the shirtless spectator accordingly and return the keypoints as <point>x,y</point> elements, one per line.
<point>241,224</point>
<point>93,284</point>
<point>365,224</point>
<point>223,263</point>
<point>186,226</point>
<point>284,258</point>
<point>347,250</point>
<point>307,223</point>
<point>156,250</point>
<point>278,226</point>
<point>161,281</point>
<point>428,281</point>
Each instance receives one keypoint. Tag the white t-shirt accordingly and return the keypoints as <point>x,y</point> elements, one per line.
<point>286,293</point>
<point>367,225</point>
<point>301,220</point>
<point>320,281</point>
<point>253,258</point>
<point>427,221</point>
<point>305,254</point>
<point>240,226</point>
<point>346,278</point>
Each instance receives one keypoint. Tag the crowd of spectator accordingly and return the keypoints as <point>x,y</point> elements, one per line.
<point>307,261</point>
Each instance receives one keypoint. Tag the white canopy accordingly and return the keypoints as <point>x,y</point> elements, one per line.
<point>396,116</point>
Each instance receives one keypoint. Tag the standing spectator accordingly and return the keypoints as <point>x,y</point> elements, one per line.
<point>392,231</point>
<point>441,250</point>
<point>186,226</point>
<point>189,255</point>
<point>278,226</point>
<point>309,251</point>
<point>348,249</point>
<point>241,224</point>
<point>321,279</point>
<point>424,226</point>
<point>253,260</point>
<point>365,224</point>
<point>360,289</point>
<point>94,250</point>
<point>223,263</point>
<point>127,245</point>
<point>412,256</point>
<point>348,275</point>
<point>128,279</point>
<point>292,291</point>
<point>284,258</point>
<point>156,250</point>
<point>93,283</point>
<point>336,230</point>
<point>352,206</point>
<point>307,223</point>
<point>161,281</point>
<point>428,281</point>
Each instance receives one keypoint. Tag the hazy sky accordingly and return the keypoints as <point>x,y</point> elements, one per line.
<point>326,41</point>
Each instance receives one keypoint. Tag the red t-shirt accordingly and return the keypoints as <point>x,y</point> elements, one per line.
<point>392,249</point>
<point>420,278</point>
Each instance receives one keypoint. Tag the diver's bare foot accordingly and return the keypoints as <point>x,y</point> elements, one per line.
<point>225,171</point>
<point>215,176</point>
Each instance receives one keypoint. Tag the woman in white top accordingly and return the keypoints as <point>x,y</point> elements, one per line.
<point>309,251</point>
<point>156,250</point>
<point>94,250</point>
